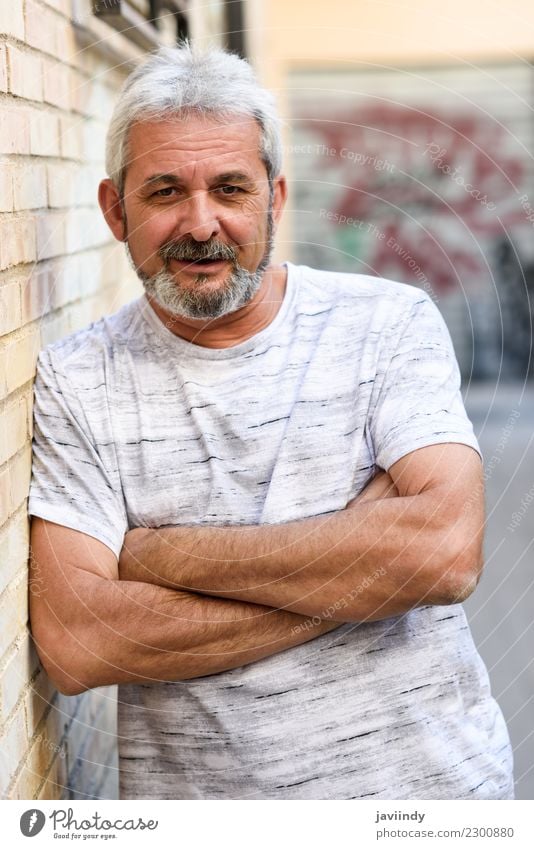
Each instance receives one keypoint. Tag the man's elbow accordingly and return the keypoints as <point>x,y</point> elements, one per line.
<point>458,587</point>
<point>56,648</point>
<point>459,574</point>
<point>62,673</point>
<point>67,685</point>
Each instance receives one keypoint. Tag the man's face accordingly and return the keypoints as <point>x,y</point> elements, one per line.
<point>198,215</point>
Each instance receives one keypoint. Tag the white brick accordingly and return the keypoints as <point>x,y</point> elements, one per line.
<point>67,47</point>
<point>92,309</point>
<point>50,235</point>
<point>24,786</point>
<point>80,93</point>
<point>39,696</point>
<point>15,123</point>
<point>19,352</point>
<point>41,28</point>
<point>10,314</point>
<point>25,73</point>
<point>13,745</point>
<point>37,292</point>
<point>13,429</point>
<point>88,284</point>
<point>6,187</point>
<point>36,766</point>
<point>85,229</point>
<point>115,265</point>
<point>66,280</point>
<point>71,184</point>
<point>13,612</point>
<point>29,412</point>
<point>94,140</point>
<point>53,787</point>
<point>61,178</point>
<point>3,68</point>
<point>12,19</point>
<point>71,137</point>
<point>63,6</point>
<point>55,725</point>
<point>18,667</point>
<point>95,66</point>
<point>19,477</point>
<point>5,494</point>
<point>56,83</point>
<point>44,133</point>
<point>29,187</point>
<point>17,241</point>
<point>14,544</point>
<point>91,97</point>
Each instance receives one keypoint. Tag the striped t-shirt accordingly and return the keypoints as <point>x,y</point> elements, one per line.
<point>135,426</point>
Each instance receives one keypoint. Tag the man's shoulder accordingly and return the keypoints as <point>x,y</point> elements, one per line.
<point>365,288</point>
<point>91,345</point>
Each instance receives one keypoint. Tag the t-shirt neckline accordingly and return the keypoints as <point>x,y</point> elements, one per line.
<point>189,349</point>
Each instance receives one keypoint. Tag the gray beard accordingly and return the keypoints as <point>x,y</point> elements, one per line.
<point>240,287</point>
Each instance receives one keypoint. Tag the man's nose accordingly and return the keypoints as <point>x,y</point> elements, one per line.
<point>198,217</point>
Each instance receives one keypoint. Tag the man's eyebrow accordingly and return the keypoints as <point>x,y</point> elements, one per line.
<point>172,179</point>
<point>162,178</point>
<point>233,177</point>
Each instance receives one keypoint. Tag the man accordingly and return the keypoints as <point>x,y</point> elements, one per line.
<point>256,488</point>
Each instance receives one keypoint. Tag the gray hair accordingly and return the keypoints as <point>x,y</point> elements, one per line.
<point>180,79</point>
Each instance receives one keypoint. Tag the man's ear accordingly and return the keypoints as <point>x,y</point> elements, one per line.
<point>111,206</point>
<point>279,198</point>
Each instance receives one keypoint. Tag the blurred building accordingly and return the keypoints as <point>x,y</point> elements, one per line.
<point>408,138</point>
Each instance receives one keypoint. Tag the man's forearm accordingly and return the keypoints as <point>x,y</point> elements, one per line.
<point>130,632</point>
<point>371,560</point>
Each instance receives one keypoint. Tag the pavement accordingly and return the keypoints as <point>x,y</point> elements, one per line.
<point>501,611</point>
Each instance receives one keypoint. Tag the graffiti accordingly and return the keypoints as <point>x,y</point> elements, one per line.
<point>447,185</point>
<point>437,155</point>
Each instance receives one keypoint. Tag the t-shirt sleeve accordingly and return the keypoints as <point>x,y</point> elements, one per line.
<point>419,401</point>
<point>71,484</point>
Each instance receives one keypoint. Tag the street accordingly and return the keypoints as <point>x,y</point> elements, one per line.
<point>501,611</point>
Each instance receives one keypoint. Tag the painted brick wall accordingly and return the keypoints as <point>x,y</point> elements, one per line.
<point>59,270</point>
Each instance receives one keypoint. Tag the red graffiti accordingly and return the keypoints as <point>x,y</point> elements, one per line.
<point>439,187</point>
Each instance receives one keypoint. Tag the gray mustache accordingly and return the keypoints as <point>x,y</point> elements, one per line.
<point>188,250</point>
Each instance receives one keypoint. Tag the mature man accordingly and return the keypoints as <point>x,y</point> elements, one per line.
<point>213,518</point>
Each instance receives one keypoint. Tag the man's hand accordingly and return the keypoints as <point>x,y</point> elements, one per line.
<point>425,543</point>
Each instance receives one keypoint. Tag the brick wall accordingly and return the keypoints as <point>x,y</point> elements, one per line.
<point>59,270</point>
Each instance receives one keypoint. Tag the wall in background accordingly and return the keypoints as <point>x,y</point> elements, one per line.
<point>59,270</point>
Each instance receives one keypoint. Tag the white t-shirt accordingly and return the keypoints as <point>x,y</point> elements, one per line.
<point>137,427</point>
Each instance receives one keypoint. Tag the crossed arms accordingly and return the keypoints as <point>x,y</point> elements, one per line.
<point>184,602</point>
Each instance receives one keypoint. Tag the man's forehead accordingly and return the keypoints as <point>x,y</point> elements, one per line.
<point>174,143</point>
<point>190,132</point>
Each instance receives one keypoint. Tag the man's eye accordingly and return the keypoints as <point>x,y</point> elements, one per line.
<point>230,190</point>
<point>165,193</point>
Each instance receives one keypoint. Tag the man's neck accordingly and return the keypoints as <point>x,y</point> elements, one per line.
<point>230,330</point>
